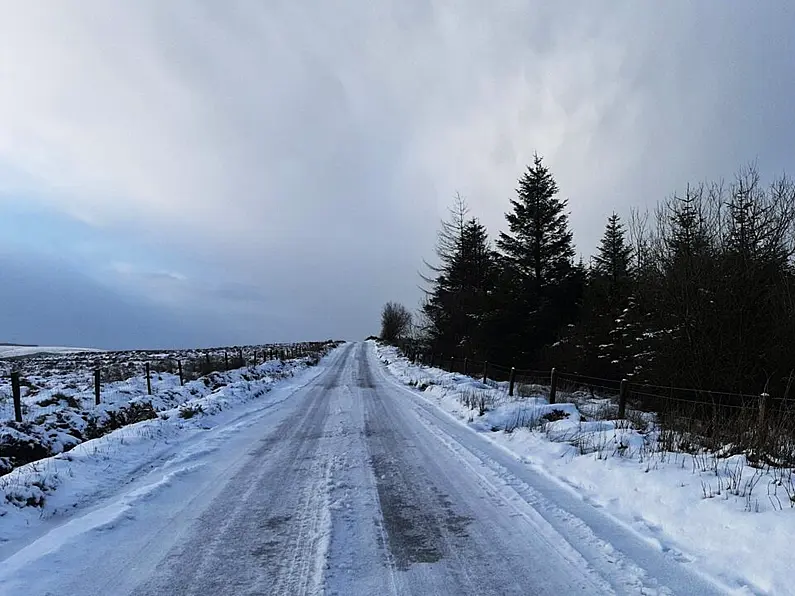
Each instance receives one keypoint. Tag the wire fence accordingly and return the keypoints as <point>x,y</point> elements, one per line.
<point>761,427</point>
<point>78,380</point>
<point>624,396</point>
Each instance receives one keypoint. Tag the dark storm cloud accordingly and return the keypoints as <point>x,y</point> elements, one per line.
<point>291,161</point>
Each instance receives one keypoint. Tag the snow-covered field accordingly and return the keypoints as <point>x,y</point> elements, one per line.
<point>58,401</point>
<point>728,518</point>
<point>81,450</point>
<point>7,351</point>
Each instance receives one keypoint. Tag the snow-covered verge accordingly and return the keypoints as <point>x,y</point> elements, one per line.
<point>63,414</point>
<point>58,401</point>
<point>84,467</point>
<point>730,519</point>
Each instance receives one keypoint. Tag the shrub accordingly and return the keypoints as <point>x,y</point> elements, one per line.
<point>190,411</point>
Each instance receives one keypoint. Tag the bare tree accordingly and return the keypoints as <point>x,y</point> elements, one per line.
<point>395,322</point>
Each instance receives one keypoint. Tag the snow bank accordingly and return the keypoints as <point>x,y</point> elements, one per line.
<point>732,520</point>
<point>37,491</point>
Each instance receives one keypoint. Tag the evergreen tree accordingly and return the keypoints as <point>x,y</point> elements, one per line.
<point>539,245</point>
<point>683,292</point>
<point>755,319</point>
<point>686,236</point>
<point>614,257</point>
<point>539,292</point>
<point>456,302</point>
<point>607,343</point>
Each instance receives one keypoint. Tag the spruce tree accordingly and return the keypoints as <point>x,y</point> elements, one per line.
<point>614,255</point>
<point>687,238</point>
<point>606,313</point>
<point>457,299</point>
<point>539,245</point>
<point>538,288</point>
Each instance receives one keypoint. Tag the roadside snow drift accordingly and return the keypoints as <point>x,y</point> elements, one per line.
<point>730,519</point>
<point>83,467</point>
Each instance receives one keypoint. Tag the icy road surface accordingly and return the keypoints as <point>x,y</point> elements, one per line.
<point>352,485</point>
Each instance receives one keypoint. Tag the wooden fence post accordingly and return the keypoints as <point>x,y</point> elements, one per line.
<point>96,386</point>
<point>553,386</point>
<point>17,396</point>
<point>452,364</point>
<point>511,381</point>
<point>179,369</point>
<point>622,399</point>
<point>486,371</point>
<point>466,367</point>
<point>226,361</point>
<point>207,359</point>
<point>148,379</point>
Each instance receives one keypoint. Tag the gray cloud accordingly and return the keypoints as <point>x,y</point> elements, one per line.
<point>69,308</point>
<point>297,157</point>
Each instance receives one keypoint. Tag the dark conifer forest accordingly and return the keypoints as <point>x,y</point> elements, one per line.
<point>699,292</point>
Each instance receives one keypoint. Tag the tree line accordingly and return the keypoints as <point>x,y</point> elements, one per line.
<point>699,292</point>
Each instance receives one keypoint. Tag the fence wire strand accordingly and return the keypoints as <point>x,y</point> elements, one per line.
<point>606,388</point>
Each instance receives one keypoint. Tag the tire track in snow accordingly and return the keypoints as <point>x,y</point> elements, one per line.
<point>268,529</point>
<point>359,561</point>
<point>615,552</point>
<point>448,533</point>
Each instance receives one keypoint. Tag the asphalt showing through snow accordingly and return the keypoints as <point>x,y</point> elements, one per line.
<point>358,486</point>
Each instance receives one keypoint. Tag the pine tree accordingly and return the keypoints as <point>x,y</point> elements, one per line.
<point>614,257</point>
<point>539,246</point>
<point>680,293</point>
<point>456,303</point>
<point>539,292</point>
<point>687,239</point>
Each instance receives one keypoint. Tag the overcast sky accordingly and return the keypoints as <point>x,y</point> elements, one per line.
<point>206,173</point>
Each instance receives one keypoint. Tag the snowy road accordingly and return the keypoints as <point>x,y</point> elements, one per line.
<point>352,485</point>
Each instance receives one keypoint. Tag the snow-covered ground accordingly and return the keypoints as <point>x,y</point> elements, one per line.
<point>19,351</point>
<point>341,480</point>
<point>725,517</point>
<point>58,401</point>
<point>85,468</point>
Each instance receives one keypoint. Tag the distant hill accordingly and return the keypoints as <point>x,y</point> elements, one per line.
<point>20,351</point>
